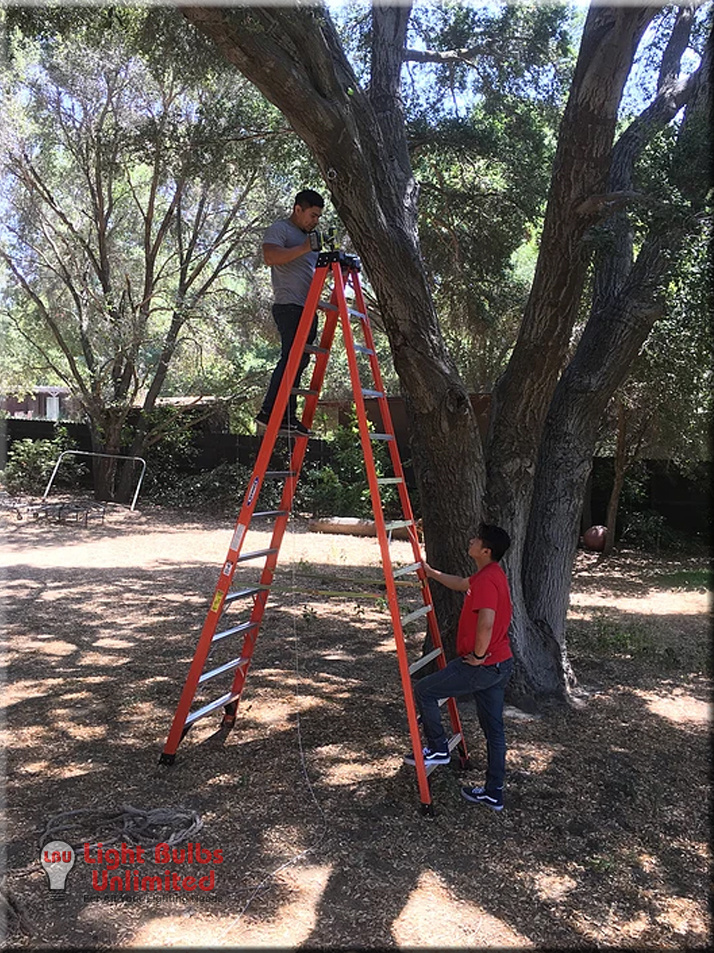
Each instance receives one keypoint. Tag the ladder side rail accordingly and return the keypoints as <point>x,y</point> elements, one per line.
<point>285,506</point>
<point>267,445</point>
<point>398,470</point>
<point>422,778</point>
<point>432,622</point>
<point>298,453</point>
<point>387,423</point>
<point>386,415</point>
<point>250,499</point>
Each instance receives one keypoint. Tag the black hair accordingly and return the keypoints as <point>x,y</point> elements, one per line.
<point>308,197</point>
<point>495,539</point>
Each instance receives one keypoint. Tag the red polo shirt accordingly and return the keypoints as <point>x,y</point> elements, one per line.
<point>488,589</point>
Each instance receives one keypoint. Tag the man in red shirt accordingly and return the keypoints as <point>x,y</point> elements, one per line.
<point>483,665</point>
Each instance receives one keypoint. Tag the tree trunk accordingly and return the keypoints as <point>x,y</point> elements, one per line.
<point>580,172</point>
<point>618,480</point>
<point>586,515</point>
<point>626,304</point>
<point>105,435</point>
<point>523,394</point>
<point>609,344</point>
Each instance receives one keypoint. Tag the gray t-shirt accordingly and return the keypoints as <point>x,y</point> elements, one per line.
<point>291,282</point>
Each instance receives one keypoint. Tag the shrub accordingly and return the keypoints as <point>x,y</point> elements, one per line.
<point>213,489</point>
<point>651,532</point>
<point>30,464</point>
<point>335,489</point>
<point>340,488</point>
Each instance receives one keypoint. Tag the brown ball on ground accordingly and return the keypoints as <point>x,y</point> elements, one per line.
<point>594,538</point>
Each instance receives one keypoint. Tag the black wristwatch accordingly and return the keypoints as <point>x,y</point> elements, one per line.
<point>480,657</point>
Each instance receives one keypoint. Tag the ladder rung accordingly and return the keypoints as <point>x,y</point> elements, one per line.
<point>361,349</point>
<point>353,313</point>
<point>315,349</point>
<point>211,706</point>
<point>304,392</point>
<point>398,524</point>
<point>242,593</point>
<point>420,663</point>
<point>383,481</point>
<point>327,305</point>
<point>279,474</point>
<point>453,741</point>
<point>416,615</point>
<point>372,393</point>
<point>403,570</point>
<point>256,554</point>
<point>381,436</point>
<point>243,627</point>
<point>271,513</point>
<point>234,663</point>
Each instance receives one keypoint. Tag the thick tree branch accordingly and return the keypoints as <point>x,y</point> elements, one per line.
<point>677,44</point>
<point>254,41</point>
<point>614,262</point>
<point>610,202</point>
<point>47,360</point>
<point>580,171</point>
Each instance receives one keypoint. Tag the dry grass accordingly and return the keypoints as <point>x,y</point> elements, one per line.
<point>604,842</point>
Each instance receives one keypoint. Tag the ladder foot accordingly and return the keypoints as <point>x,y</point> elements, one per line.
<point>167,759</point>
<point>427,810</point>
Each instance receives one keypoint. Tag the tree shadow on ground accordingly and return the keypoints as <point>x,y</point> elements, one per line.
<point>316,816</point>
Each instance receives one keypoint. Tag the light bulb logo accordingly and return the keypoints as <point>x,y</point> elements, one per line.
<point>57,858</point>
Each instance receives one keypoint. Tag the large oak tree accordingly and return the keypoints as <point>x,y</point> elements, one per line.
<point>357,134</point>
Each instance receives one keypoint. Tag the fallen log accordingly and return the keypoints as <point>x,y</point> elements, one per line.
<point>351,526</point>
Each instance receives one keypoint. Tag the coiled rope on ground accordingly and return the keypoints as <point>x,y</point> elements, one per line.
<point>127,824</point>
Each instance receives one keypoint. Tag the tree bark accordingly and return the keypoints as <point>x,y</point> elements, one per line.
<point>105,434</point>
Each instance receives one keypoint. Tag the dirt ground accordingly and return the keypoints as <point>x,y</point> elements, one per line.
<point>604,841</point>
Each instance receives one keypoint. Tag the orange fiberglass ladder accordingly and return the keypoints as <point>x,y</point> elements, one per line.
<point>344,272</point>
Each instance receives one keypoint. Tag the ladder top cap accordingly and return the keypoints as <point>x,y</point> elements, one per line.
<point>347,261</point>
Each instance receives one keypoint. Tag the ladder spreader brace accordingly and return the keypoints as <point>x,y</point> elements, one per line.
<point>344,271</point>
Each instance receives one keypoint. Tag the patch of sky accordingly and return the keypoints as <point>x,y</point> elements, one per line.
<point>641,85</point>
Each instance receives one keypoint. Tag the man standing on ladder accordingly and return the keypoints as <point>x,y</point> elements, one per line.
<point>483,665</point>
<point>289,252</point>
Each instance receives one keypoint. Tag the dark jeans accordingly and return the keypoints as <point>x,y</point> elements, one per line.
<point>287,318</point>
<point>487,683</point>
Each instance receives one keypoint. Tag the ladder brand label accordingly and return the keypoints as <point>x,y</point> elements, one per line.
<point>253,488</point>
<point>227,568</point>
<point>216,601</point>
